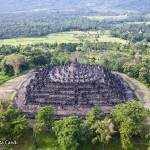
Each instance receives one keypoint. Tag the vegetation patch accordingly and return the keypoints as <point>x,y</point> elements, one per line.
<point>65,37</point>
<point>71,133</point>
<point>3,79</point>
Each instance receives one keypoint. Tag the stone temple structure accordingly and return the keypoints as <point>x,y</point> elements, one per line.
<point>73,89</point>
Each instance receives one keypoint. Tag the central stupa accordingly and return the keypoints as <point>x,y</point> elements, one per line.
<point>77,73</point>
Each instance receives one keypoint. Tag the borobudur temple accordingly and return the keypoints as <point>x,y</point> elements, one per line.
<point>73,89</point>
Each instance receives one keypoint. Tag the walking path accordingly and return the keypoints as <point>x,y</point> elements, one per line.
<point>10,88</point>
<point>142,90</point>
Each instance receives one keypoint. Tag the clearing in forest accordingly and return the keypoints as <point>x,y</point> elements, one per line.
<point>66,37</point>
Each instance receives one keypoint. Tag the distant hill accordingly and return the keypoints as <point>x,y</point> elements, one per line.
<point>142,6</point>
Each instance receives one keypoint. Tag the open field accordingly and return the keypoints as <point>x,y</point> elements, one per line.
<point>121,17</point>
<point>64,37</point>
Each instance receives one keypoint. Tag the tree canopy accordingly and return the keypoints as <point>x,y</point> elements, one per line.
<point>94,115</point>
<point>44,118</point>
<point>70,132</point>
<point>130,119</point>
<point>12,123</point>
<point>13,63</point>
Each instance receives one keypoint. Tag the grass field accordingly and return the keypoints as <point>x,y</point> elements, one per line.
<point>107,17</point>
<point>47,142</point>
<point>3,79</point>
<point>64,37</point>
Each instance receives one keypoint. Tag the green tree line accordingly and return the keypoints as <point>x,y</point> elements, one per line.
<point>132,58</point>
<point>127,120</point>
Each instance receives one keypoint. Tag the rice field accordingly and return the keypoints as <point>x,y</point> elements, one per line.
<point>65,37</point>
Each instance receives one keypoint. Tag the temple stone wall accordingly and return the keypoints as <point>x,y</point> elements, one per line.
<point>75,88</point>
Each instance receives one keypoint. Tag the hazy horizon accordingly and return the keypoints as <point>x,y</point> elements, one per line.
<point>14,6</point>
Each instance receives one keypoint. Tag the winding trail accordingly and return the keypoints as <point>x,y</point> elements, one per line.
<point>143,93</point>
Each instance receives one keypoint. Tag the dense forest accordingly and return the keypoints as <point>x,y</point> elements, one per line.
<point>133,32</point>
<point>40,24</point>
<point>42,28</point>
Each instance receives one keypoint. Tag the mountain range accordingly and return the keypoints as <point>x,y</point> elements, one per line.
<point>140,6</point>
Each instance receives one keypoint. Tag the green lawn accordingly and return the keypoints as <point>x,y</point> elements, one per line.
<point>47,142</point>
<point>64,37</point>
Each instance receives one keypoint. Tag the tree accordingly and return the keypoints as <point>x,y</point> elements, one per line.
<point>126,134</point>
<point>99,127</point>
<point>15,61</point>
<point>7,70</point>
<point>5,104</point>
<point>54,61</point>
<point>105,61</point>
<point>130,118</point>
<point>144,75</point>
<point>103,130</point>
<point>102,31</point>
<point>39,56</point>
<point>95,114</point>
<point>129,69</point>
<point>70,132</point>
<point>12,124</point>
<point>44,118</point>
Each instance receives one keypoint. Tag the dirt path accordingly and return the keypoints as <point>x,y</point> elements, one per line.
<point>144,93</point>
<point>10,88</point>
